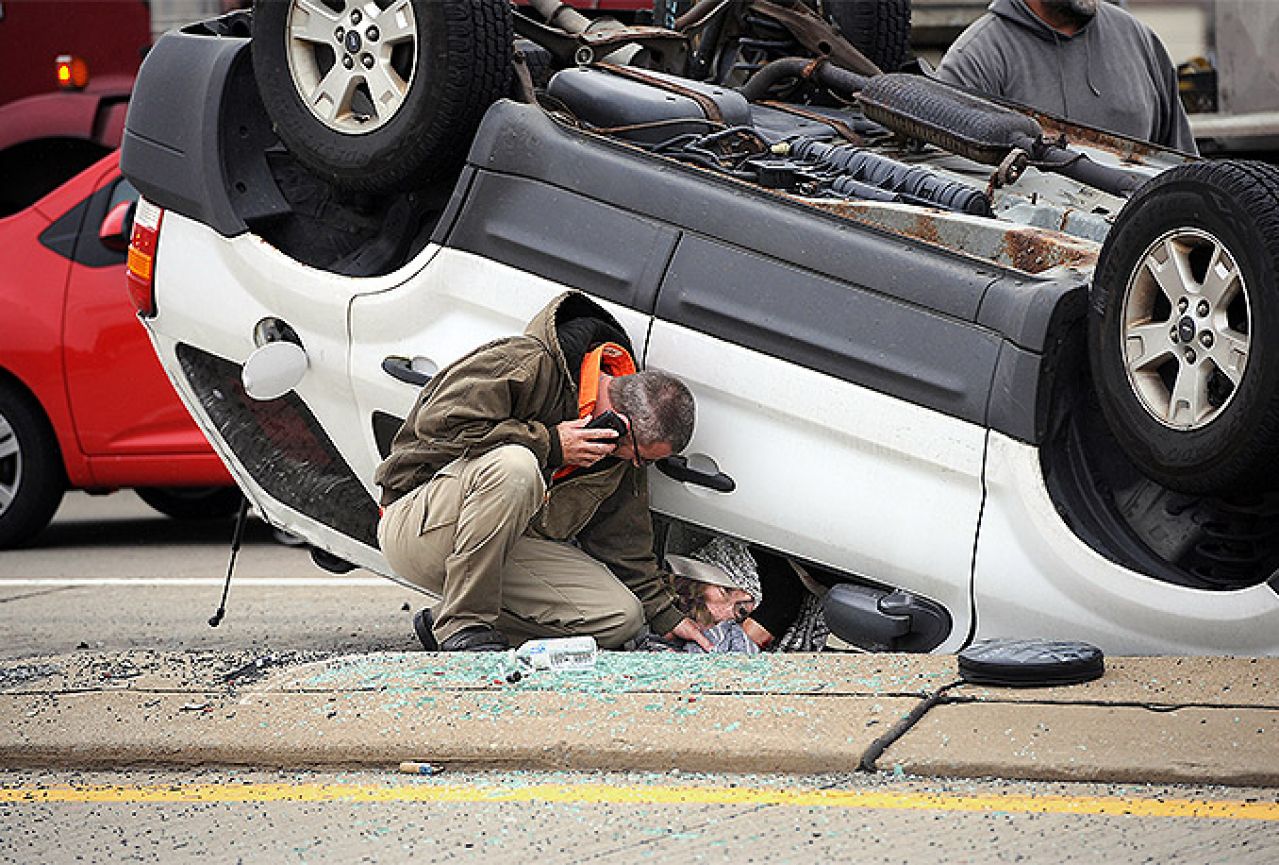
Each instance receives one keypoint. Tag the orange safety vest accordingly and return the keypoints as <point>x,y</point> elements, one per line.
<point>608,358</point>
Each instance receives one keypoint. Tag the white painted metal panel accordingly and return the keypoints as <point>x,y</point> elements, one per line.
<point>1034,577</point>
<point>827,470</point>
<point>457,303</point>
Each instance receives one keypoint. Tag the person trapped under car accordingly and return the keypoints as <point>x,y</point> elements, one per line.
<point>526,522</point>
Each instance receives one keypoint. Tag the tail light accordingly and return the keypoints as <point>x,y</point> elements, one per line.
<point>72,72</point>
<point>141,270</point>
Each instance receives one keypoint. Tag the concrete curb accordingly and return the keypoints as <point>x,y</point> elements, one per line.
<point>1159,720</point>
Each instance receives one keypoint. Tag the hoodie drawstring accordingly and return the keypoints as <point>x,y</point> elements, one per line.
<point>1061,69</point>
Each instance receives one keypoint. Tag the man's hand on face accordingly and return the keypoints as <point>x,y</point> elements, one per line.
<point>687,629</point>
<point>583,447</point>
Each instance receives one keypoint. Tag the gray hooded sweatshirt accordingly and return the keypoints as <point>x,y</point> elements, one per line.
<point>1113,74</point>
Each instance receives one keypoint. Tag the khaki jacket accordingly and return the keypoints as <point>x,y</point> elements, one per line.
<point>515,391</point>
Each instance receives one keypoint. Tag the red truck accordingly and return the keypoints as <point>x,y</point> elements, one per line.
<point>68,71</point>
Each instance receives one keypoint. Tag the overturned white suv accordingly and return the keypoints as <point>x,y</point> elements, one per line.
<point>993,373</point>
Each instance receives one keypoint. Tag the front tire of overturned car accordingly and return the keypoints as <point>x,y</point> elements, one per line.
<point>32,479</point>
<point>375,103</point>
<point>1184,326</point>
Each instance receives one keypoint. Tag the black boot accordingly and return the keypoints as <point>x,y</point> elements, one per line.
<point>476,638</point>
<point>422,624</point>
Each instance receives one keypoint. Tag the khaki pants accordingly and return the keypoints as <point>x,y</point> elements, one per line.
<point>461,536</point>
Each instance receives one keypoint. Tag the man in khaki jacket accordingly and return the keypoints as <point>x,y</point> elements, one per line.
<point>495,474</point>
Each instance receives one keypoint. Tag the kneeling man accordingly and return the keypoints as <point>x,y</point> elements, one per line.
<point>500,498</point>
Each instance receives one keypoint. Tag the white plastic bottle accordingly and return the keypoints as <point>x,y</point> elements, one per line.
<point>559,653</point>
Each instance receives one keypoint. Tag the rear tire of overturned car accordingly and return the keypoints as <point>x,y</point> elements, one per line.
<point>32,479</point>
<point>376,102</point>
<point>1184,325</point>
<point>880,29</point>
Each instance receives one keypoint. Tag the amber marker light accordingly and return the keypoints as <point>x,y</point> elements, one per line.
<point>140,273</point>
<point>72,72</point>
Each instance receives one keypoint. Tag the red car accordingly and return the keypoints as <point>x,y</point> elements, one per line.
<point>84,403</point>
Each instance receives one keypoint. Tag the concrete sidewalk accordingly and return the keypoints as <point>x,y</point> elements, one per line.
<point>1159,720</point>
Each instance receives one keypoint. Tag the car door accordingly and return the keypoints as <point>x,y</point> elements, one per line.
<point>515,244</point>
<point>121,399</point>
<point>813,398</point>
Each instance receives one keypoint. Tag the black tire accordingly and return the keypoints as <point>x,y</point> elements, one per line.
<point>880,29</point>
<point>451,65</point>
<point>32,477</point>
<point>1219,353</point>
<point>540,63</point>
<point>193,503</point>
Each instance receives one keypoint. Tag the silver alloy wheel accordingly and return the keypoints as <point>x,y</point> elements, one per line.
<point>10,464</point>
<point>353,69</point>
<point>1186,328</point>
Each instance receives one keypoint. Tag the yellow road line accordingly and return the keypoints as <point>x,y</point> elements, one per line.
<point>597,794</point>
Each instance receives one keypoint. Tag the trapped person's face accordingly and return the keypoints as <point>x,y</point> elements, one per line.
<point>726,605</point>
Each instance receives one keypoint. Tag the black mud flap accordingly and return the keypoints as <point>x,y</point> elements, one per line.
<point>1030,663</point>
<point>885,621</point>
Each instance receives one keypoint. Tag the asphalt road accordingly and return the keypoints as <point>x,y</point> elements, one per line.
<point>523,817</point>
<point>111,576</point>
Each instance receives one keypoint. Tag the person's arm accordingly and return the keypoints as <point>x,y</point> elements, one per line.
<point>1174,125</point>
<point>482,403</point>
<point>621,536</point>
<point>975,60</point>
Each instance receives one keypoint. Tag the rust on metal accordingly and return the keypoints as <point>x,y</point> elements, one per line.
<point>1127,149</point>
<point>604,38</point>
<point>1021,247</point>
<point>1035,250</point>
<point>926,228</point>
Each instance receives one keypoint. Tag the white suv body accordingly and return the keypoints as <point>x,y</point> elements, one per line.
<point>891,420</point>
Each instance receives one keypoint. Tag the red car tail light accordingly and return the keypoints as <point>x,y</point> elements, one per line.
<point>141,270</point>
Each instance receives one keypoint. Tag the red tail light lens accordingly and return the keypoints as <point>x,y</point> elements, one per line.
<point>141,268</point>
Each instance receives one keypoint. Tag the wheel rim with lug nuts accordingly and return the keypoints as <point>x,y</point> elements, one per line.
<point>10,464</point>
<point>1186,329</point>
<point>352,68</point>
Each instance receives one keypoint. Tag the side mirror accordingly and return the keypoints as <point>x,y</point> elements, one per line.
<point>117,226</point>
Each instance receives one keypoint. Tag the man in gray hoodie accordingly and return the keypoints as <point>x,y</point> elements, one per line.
<point>1085,60</point>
